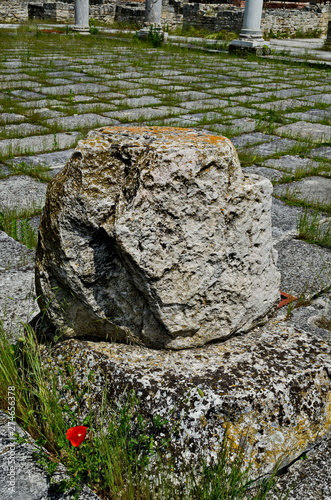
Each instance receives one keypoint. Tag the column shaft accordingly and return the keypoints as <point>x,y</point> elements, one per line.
<point>252,20</point>
<point>82,13</point>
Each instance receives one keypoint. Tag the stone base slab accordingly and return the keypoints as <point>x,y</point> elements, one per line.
<point>259,47</point>
<point>270,389</point>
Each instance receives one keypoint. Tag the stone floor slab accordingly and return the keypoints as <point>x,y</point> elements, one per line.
<point>251,139</point>
<point>272,147</point>
<point>204,104</point>
<point>313,115</point>
<point>21,191</point>
<point>11,118</point>
<point>322,152</point>
<point>137,102</point>
<point>281,105</point>
<point>243,125</point>
<point>24,129</point>
<point>146,113</point>
<point>58,158</point>
<point>291,163</point>
<point>76,88</point>
<point>312,131</point>
<point>269,173</point>
<point>284,219</point>
<point>73,122</point>
<point>27,94</point>
<point>305,268</point>
<point>39,143</point>
<point>311,189</point>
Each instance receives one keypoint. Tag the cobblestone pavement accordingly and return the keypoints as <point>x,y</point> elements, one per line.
<point>54,88</point>
<point>276,112</point>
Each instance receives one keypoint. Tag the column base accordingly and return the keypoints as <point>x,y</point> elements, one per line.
<point>82,30</point>
<point>145,32</point>
<point>259,47</point>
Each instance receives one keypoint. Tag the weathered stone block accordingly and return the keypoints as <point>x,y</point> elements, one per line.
<point>271,386</point>
<point>154,236</point>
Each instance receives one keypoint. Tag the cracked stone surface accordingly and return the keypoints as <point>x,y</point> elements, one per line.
<point>164,270</point>
<point>272,384</point>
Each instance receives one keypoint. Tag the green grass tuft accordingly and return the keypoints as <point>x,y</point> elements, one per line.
<point>312,227</point>
<point>120,457</point>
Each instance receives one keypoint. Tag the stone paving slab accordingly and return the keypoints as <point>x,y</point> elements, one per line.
<point>312,131</point>
<point>58,158</point>
<point>284,220</point>
<point>43,103</point>
<point>320,98</point>
<point>270,173</point>
<point>204,104</point>
<point>76,88</point>
<point>322,152</point>
<point>305,268</point>
<point>11,118</point>
<point>271,148</point>
<point>27,94</point>
<point>136,102</point>
<point>73,122</point>
<point>312,189</point>
<point>243,125</point>
<point>146,113</point>
<point>21,129</point>
<point>41,143</point>
<point>282,105</point>
<point>21,192</point>
<point>313,115</point>
<point>291,163</point>
<point>17,295</point>
<point>252,139</point>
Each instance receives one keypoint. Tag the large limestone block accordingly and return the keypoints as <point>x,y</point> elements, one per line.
<point>271,386</point>
<point>154,236</point>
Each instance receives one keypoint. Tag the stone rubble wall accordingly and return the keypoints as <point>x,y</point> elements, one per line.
<point>13,11</point>
<point>213,16</point>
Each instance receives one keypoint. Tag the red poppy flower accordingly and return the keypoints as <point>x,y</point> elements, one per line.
<point>76,435</point>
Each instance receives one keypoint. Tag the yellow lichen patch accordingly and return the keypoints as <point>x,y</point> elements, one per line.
<point>169,133</point>
<point>277,442</point>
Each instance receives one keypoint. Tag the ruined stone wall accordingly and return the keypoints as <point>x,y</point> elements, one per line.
<point>213,16</point>
<point>13,11</point>
<point>290,21</point>
<point>218,17</point>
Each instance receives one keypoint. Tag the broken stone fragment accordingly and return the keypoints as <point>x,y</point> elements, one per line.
<point>154,236</point>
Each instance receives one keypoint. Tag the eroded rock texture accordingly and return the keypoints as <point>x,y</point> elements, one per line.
<point>271,386</point>
<point>154,236</point>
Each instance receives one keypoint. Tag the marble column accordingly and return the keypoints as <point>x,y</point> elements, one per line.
<point>153,10</point>
<point>82,16</point>
<point>328,37</point>
<point>250,37</point>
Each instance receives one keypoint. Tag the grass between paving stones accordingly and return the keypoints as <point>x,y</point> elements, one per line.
<point>291,199</point>
<point>314,228</point>
<point>16,223</point>
<point>123,456</point>
<point>322,170</point>
<point>40,172</point>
